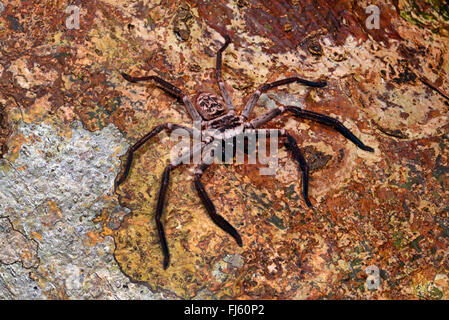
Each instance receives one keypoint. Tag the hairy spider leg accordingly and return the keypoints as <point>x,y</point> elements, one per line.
<point>159,210</point>
<point>166,126</point>
<point>329,121</point>
<point>207,202</point>
<point>221,84</point>
<point>249,107</point>
<point>313,116</point>
<point>171,89</point>
<point>162,195</point>
<point>210,207</point>
<point>292,146</point>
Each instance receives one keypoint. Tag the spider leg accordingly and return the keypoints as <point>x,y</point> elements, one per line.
<point>313,116</point>
<point>292,146</point>
<point>161,200</point>
<point>159,210</point>
<point>331,122</point>
<point>249,107</point>
<point>166,126</point>
<point>171,89</point>
<point>221,84</point>
<point>207,202</point>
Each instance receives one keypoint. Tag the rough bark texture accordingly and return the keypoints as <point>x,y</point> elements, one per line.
<point>67,119</point>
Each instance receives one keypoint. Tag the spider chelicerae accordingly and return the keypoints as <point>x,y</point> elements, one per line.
<point>215,113</point>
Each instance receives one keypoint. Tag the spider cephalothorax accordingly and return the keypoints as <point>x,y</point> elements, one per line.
<point>219,114</point>
<point>210,106</point>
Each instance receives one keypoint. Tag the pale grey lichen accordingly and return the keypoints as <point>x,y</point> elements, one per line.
<point>230,262</point>
<point>15,247</point>
<point>234,260</point>
<point>51,193</point>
